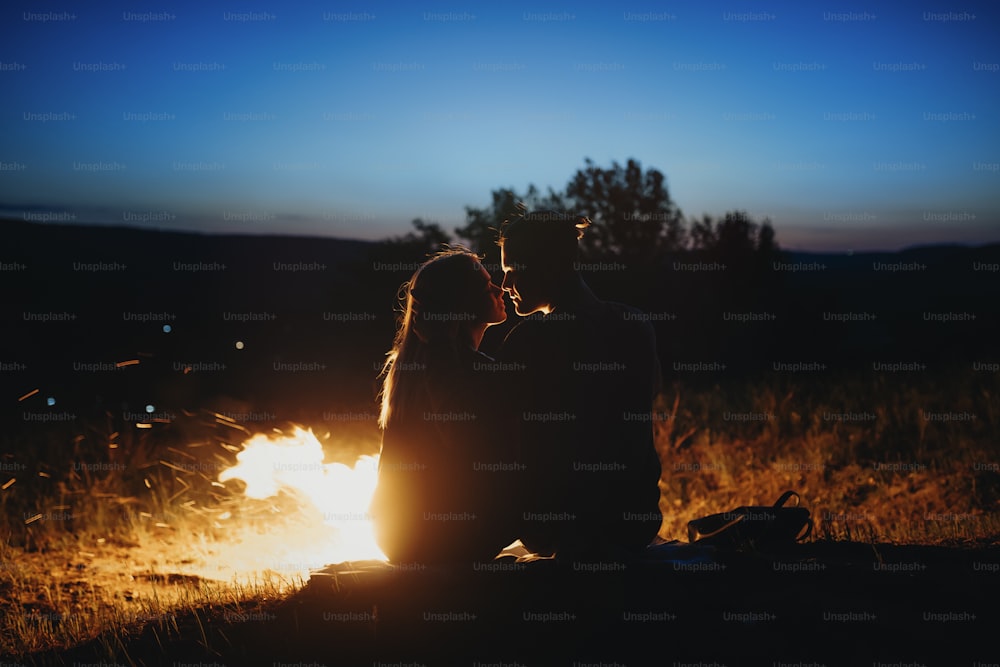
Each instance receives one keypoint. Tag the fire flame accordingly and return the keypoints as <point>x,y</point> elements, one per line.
<point>318,512</point>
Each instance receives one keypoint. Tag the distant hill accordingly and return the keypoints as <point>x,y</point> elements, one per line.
<point>314,316</point>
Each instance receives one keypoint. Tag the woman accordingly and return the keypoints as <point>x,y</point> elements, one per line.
<point>439,496</point>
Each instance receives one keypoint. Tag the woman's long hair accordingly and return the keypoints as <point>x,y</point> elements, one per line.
<point>436,305</point>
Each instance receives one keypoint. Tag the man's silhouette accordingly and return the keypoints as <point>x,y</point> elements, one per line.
<point>588,372</point>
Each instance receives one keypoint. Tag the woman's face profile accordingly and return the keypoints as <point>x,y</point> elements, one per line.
<point>493,310</point>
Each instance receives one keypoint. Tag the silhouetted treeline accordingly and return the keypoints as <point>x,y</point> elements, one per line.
<point>721,292</point>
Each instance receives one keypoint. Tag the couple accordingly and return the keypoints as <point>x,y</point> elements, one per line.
<point>552,443</point>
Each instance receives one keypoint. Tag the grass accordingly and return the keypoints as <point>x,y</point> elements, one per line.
<point>132,520</point>
<point>863,454</point>
<point>97,544</point>
<point>51,607</point>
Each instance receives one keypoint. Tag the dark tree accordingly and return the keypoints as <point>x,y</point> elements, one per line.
<point>634,218</point>
<point>741,251</point>
<point>428,238</point>
<point>737,239</point>
<point>483,224</point>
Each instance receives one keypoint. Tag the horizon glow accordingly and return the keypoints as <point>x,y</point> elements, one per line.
<point>861,128</point>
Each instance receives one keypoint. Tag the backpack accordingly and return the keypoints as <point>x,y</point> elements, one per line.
<point>754,527</point>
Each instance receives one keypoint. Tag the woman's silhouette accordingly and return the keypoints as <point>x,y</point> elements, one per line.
<point>438,497</point>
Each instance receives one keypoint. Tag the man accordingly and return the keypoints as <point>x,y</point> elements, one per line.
<point>587,375</point>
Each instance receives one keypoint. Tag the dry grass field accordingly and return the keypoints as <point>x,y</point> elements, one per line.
<point>120,542</point>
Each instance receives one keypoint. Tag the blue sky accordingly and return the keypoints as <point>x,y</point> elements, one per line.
<point>851,126</point>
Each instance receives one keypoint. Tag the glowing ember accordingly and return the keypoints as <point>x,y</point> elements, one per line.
<point>317,512</point>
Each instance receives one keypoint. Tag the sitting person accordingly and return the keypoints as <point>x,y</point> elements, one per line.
<point>438,497</point>
<point>584,399</point>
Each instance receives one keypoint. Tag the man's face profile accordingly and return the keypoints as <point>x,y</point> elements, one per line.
<point>525,290</point>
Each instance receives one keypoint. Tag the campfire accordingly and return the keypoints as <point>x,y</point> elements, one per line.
<point>297,512</point>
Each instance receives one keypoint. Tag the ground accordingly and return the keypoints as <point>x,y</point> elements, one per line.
<point>823,603</point>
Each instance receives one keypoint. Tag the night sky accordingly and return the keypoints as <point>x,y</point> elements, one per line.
<point>851,126</point>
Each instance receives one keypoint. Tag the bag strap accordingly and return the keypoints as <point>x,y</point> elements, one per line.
<point>809,530</point>
<point>724,527</point>
<point>784,499</point>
